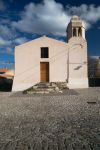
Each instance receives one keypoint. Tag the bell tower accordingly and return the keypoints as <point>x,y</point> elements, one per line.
<point>75,28</point>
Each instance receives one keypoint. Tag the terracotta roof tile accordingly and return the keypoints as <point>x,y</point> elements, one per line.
<point>4,70</point>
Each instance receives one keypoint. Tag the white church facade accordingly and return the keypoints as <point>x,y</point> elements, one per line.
<point>48,60</point>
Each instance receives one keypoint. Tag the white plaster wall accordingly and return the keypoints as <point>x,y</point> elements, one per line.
<point>27,62</point>
<point>78,72</point>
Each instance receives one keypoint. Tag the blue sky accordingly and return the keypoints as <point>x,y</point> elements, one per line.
<point>24,20</point>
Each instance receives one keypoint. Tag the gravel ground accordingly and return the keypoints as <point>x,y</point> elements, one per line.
<point>68,121</point>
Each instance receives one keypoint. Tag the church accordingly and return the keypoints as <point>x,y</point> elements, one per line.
<point>49,60</point>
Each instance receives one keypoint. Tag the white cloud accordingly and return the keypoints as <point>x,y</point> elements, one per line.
<point>20,40</point>
<point>6,46</point>
<point>4,30</point>
<point>50,17</point>
<point>89,13</point>
<point>44,18</point>
<point>4,42</point>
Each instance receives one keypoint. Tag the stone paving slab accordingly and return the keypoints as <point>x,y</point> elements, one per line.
<point>50,122</point>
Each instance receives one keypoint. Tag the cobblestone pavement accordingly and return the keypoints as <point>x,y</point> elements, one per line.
<point>68,121</point>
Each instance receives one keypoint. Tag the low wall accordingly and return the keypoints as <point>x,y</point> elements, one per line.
<point>94,82</point>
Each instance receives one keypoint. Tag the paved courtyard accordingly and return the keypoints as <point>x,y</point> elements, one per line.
<point>68,121</point>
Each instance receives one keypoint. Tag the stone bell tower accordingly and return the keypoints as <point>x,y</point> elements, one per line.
<point>77,70</point>
<point>75,28</point>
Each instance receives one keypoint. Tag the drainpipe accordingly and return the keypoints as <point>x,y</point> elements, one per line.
<point>68,65</point>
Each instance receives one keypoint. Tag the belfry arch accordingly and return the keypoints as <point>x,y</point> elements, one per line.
<point>76,28</point>
<point>80,32</point>
<point>74,32</point>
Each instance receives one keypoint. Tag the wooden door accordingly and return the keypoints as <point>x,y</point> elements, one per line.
<point>44,71</point>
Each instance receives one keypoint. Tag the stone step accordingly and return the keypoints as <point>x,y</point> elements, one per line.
<point>42,87</point>
<point>44,91</point>
<point>47,87</point>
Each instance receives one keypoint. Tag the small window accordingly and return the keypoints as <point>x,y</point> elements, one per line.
<point>44,52</point>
